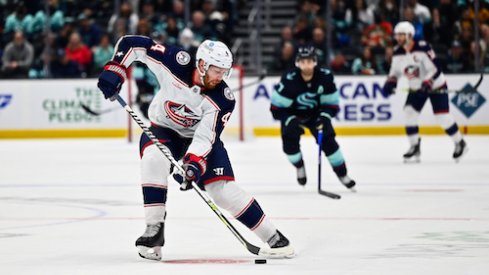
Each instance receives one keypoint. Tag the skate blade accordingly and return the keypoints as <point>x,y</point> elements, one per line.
<point>150,253</point>
<point>286,252</point>
<point>353,190</point>
<point>412,160</point>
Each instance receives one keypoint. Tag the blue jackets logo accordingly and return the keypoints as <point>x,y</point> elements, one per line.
<point>5,100</point>
<point>468,101</point>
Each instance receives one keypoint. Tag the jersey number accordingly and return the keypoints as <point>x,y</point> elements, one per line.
<point>225,119</point>
<point>158,48</point>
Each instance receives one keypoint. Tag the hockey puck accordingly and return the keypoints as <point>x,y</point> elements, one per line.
<point>260,261</point>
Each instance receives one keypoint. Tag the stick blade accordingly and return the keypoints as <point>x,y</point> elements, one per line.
<point>88,110</point>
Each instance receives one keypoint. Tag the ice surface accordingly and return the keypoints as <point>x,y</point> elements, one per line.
<point>74,207</point>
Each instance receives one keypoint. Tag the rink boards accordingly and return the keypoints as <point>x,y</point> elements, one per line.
<point>52,108</point>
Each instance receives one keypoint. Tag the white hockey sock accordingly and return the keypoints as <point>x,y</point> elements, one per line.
<point>448,123</point>
<point>229,196</point>
<point>413,139</point>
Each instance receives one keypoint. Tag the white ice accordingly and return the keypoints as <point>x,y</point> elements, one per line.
<point>75,207</point>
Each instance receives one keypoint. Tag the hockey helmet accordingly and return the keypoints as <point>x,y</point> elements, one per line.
<point>305,52</point>
<point>404,27</point>
<point>214,53</point>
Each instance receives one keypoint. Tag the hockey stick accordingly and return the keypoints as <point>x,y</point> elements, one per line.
<point>451,91</point>
<point>261,251</point>
<point>320,191</point>
<point>260,78</point>
<point>101,112</point>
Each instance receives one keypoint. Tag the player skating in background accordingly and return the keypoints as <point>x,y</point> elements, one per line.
<point>416,61</point>
<point>187,115</point>
<point>307,97</point>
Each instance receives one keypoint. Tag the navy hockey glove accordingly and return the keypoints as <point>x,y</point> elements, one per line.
<point>291,126</point>
<point>194,167</point>
<point>426,86</point>
<point>390,86</point>
<point>322,120</point>
<point>111,79</point>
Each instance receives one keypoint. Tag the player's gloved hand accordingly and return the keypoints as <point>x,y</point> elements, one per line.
<point>292,126</point>
<point>426,86</point>
<point>194,167</point>
<point>323,119</point>
<point>111,79</point>
<point>184,184</point>
<point>390,86</point>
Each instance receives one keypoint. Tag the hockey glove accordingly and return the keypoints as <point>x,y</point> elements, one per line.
<point>322,120</point>
<point>184,184</point>
<point>111,79</point>
<point>426,86</point>
<point>390,86</point>
<point>194,167</point>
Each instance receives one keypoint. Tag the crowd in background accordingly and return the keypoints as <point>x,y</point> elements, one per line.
<point>81,35</point>
<point>362,34</point>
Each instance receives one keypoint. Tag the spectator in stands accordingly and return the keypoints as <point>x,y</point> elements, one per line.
<point>285,60</point>
<point>143,28</point>
<point>102,53</point>
<point>363,15</point>
<point>19,20</point>
<point>364,65</point>
<point>56,18</point>
<point>339,64</point>
<point>17,57</point>
<point>171,31</point>
<point>302,31</point>
<point>389,9</point>
<point>187,42</point>
<point>148,13</point>
<point>319,43</point>
<point>342,20</point>
<point>384,62</point>
<point>124,22</point>
<point>445,15</point>
<point>88,29</point>
<point>421,12</point>
<point>79,53</point>
<point>178,12</point>
<point>456,61</point>
<point>378,35</point>
<point>419,27</point>
<point>199,28</point>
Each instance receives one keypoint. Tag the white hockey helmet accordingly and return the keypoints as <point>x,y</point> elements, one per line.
<point>214,53</point>
<point>404,27</point>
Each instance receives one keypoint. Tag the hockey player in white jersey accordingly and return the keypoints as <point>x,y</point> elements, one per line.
<point>416,61</point>
<point>187,115</point>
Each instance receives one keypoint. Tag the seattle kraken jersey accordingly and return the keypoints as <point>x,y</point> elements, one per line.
<point>417,65</point>
<point>180,105</point>
<point>305,100</point>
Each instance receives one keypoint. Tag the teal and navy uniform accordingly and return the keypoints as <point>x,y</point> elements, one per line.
<point>294,98</point>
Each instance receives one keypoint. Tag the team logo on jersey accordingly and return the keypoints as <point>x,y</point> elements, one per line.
<point>411,72</point>
<point>183,58</point>
<point>228,93</point>
<point>307,101</point>
<point>181,114</point>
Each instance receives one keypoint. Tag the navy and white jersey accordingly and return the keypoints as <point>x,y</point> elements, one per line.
<point>186,108</point>
<point>417,65</point>
<point>305,100</point>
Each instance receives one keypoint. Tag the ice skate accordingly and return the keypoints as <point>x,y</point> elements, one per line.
<point>150,243</point>
<point>301,175</point>
<point>412,155</point>
<point>460,150</point>
<point>348,183</point>
<point>279,247</point>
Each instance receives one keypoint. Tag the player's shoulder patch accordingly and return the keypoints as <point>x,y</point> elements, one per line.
<point>229,94</point>
<point>182,57</point>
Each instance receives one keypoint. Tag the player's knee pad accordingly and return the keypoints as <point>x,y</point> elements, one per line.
<point>291,146</point>
<point>411,115</point>
<point>228,195</point>
<point>445,120</point>
<point>155,167</point>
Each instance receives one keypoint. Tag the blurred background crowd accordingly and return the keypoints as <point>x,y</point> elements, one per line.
<point>72,39</point>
